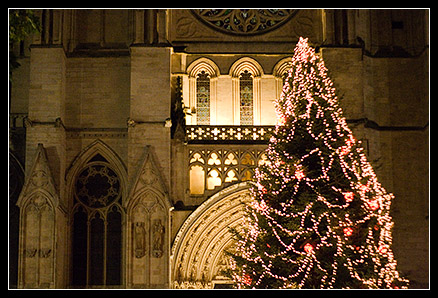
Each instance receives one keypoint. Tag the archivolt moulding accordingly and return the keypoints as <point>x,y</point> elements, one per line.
<point>97,147</point>
<point>246,63</point>
<point>197,256</point>
<point>203,64</point>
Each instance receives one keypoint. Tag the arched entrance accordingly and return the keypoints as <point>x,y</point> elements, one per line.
<point>197,257</point>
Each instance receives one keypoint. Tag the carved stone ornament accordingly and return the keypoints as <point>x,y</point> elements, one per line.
<point>139,240</point>
<point>130,122</point>
<point>158,233</point>
<point>148,176</point>
<point>45,252</point>
<point>244,21</point>
<point>39,178</point>
<point>97,186</point>
<point>30,252</point>
<point>39,201</point>
<point>198,249</point>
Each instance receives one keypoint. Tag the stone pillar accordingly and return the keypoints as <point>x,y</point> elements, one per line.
<point>41,221</point>
<point>44,127</point>
<point>149,122</point>
<point>139,29</point>
<point>149,130</point>
<point>328,27</point>
<point>46,109</point>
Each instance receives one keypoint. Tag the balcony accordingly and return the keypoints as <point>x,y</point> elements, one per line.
<point>228,134</point>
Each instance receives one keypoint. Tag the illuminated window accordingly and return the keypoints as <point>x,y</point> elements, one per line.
<point>213,179</point>
<point>247,160</point>
<point>211,170</point>
<point>231,176</point>
<point>263,160</point>
<point>214,159</point>
<point>203,99</point>
<point>197,157</point>
<point>231,159</point>
<point>247,175</point>
<point>197,180</point>
<point>246,98</point>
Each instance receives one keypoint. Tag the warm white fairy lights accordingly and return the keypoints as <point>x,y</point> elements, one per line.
<point>317,199</point>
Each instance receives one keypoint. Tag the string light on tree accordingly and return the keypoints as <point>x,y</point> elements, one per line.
<point>308,248</point>
<point>299,174</point>
<point>349,196</point>
<point>319,218</point>
<point>373,205</point>
<point>348,231</point>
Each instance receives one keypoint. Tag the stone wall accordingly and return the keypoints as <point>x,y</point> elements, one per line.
<point>105,76</point>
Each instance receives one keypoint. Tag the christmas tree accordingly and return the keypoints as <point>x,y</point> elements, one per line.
<point>319,217</point>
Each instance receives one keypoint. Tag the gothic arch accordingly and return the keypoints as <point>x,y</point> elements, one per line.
<point>39,212</point>
<point>282,66</point>
<point>16,182</point>
<point>279,71</point>
<point>96,230</point>
<point>148,227</point>
<point>203,64</point>
<point>251,66</point>
<point>212,70</point>
<point>246,63</point>
<point>97,147</point>
<point>197,256</point>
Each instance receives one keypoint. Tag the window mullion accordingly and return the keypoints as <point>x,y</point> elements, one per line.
<point>88,248</point>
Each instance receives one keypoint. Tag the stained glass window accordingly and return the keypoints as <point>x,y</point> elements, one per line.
<point>246,98</point>
<point>203,99</point>
<point>97,226</point>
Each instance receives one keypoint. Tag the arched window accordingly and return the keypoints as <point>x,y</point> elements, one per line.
<point>201,94</point>
<point>97,225</point>
<point>203,98</point>
<point>246,98</point>
<point>280,73</point>
<point>246,76</point>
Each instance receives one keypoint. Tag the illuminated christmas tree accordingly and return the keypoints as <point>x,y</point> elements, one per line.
<point>319,218</point>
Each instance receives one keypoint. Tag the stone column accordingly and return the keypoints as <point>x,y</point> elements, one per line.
<point>149,122</point>
<point>149,130</point>
<point>44,126</point>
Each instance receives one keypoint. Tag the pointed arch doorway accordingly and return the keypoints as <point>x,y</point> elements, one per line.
<point>197,257</point>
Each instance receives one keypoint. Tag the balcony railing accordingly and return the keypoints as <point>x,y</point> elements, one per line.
<point>228,133</point>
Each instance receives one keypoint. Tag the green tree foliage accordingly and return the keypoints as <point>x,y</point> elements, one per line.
<point>22,22</point>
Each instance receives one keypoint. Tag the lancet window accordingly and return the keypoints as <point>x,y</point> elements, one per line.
<point>203,98</point>
<point>246,98</point>
<point>97,226</point>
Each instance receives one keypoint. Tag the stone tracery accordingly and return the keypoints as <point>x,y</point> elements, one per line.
<point>244,21</point>
<point>198,259</point>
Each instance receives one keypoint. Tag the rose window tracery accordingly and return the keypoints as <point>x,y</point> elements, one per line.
<point>97,186</point>
<point>97,225</point>
<point>244,21</point>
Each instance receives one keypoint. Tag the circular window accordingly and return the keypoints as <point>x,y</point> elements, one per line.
<point>244,21</point>
<point>97,186</point>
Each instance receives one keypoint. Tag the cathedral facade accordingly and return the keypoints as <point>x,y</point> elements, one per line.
<point>134,135</point>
